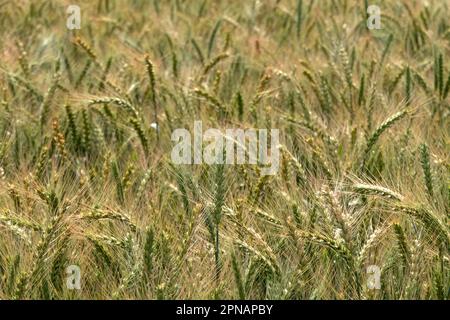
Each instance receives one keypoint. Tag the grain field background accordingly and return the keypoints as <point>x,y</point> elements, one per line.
<point>359,208</point>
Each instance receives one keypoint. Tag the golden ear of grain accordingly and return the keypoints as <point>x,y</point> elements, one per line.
<point>370,189</point>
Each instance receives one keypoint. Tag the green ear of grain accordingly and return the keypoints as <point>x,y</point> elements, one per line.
<point>59,263</point>
<point>366,5</point>
<point>103,258</point>
<point>434,226</point>
<point>408,86</point>
<point>118,180</point>
<point>25,83</point>
<point>152,78</point>
<point>324,89</point>
<point>180,177</point>
<point>13,272</point>
<point>175,66</point>
<point>238,277</point>
<point>441,74</point>
<point>83,74</point>
<point>395,82</point>
<point>240,105</point>
<point>86,135</point>
<point>101,84</point>
<point>446,89</point>
<point>211,64</point>
<point>378,132</point>
<point>298,25</point>
<point>137,126</point>
<point>216,214</point>
<point>347,66</point>
<point>361,96</point>
<point>402,245</point>
<point>71,123</point>
<point>438,286</point>
<point>118,101</point>
<point>149,248</point>
<point>48,98</point>
<point>421,81</point>
<point>211,99</point>
<point>212,38</point>
<point>198,51</point>
<point>425,162</point>
<point>386,50</point>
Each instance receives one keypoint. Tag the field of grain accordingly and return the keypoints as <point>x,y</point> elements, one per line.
<point>359,208</point>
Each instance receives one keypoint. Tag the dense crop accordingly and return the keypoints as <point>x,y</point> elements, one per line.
<point>86,176</point>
